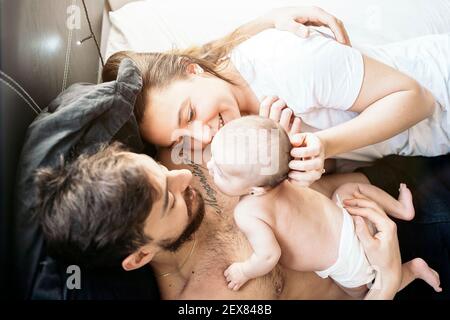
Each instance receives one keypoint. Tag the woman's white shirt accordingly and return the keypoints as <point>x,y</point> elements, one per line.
<point>320,80</point>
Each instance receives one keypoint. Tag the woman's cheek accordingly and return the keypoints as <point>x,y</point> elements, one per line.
<point>217,181</point>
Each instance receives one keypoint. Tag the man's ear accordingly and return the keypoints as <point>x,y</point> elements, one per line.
<point>193,68</point>
<point>139,258</point>
<point>257,191</point>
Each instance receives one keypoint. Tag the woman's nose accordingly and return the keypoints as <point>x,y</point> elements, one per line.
<point>201,133</point>
<point>210,165</point>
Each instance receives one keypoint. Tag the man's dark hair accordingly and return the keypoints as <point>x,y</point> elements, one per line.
<point>93,210</point>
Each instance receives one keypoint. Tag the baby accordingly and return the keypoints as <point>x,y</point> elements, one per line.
<point>299,227</point>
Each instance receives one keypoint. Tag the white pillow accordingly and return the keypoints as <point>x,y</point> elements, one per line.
<point>154,25</point>
<point>159,25</point>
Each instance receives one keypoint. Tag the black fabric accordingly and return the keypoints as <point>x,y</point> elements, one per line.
<point>96,284</point>
<point>428,178</point>
<point>428,235</point>
<point>79,120</point>
<point>16,114</point>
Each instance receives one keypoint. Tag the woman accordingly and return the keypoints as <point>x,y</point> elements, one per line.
<point>202,69</point>
<point>334,88</point>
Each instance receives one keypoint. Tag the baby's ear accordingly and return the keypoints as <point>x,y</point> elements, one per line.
<point>257,191</point>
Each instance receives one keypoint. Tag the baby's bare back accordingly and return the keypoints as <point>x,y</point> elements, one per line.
<point>307,226</point>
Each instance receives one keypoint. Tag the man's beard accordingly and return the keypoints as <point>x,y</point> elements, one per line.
<point>195,216</point>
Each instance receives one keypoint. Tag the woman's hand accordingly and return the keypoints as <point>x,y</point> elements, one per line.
<point>381,249</point>
<point>297,20</point>
<point>276,109</point>
<point>308,151</point>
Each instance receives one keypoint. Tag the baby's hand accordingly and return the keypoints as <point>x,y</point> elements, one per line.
<point>235,276</point>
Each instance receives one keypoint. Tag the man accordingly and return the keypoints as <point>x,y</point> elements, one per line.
<point>120,206</point>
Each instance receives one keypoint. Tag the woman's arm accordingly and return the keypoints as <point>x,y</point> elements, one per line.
<point>389,103</point>
<point>295,20</point>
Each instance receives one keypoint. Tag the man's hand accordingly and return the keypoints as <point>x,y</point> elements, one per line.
<point>297,20</point>
<point>235,276</point>
<point>382,249</point>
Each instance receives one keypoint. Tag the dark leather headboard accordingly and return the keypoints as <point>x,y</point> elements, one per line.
<point>39,57</point>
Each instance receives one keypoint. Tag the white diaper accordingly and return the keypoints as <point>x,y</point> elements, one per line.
<point>351,269</point>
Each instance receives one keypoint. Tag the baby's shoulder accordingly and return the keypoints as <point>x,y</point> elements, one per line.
<point>254,206</point>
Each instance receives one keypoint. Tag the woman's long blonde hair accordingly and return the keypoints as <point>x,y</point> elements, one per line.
<point>159,69</point>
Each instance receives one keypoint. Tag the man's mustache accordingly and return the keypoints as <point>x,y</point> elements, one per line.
<point>197,218</point>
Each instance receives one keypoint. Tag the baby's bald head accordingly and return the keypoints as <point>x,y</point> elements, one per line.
<point>253,150</point>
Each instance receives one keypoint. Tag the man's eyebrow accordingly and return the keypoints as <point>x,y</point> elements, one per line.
<point>166,199</point>
<point>180,111</point>
<point>166,242</point>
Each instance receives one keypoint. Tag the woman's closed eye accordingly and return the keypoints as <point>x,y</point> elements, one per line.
<point>190,114</point>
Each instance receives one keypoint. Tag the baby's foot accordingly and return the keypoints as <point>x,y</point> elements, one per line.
<point>422,271</point>
<point>405,198</point>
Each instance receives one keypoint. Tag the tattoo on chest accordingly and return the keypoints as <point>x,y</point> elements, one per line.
<point>210,197</point>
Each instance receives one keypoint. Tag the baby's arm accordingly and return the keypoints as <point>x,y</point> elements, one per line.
<point>266,250</point>
<point>401,209</point>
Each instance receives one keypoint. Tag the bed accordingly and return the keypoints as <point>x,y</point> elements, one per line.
<point>35,53</point>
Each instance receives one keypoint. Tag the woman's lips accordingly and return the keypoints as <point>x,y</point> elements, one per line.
<point>220,124</point>
<point>221,121</point>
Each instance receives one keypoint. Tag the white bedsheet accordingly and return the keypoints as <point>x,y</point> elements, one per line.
<point>159,25</point>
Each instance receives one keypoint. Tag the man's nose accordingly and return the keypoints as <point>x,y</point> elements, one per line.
<point>180,179</point>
